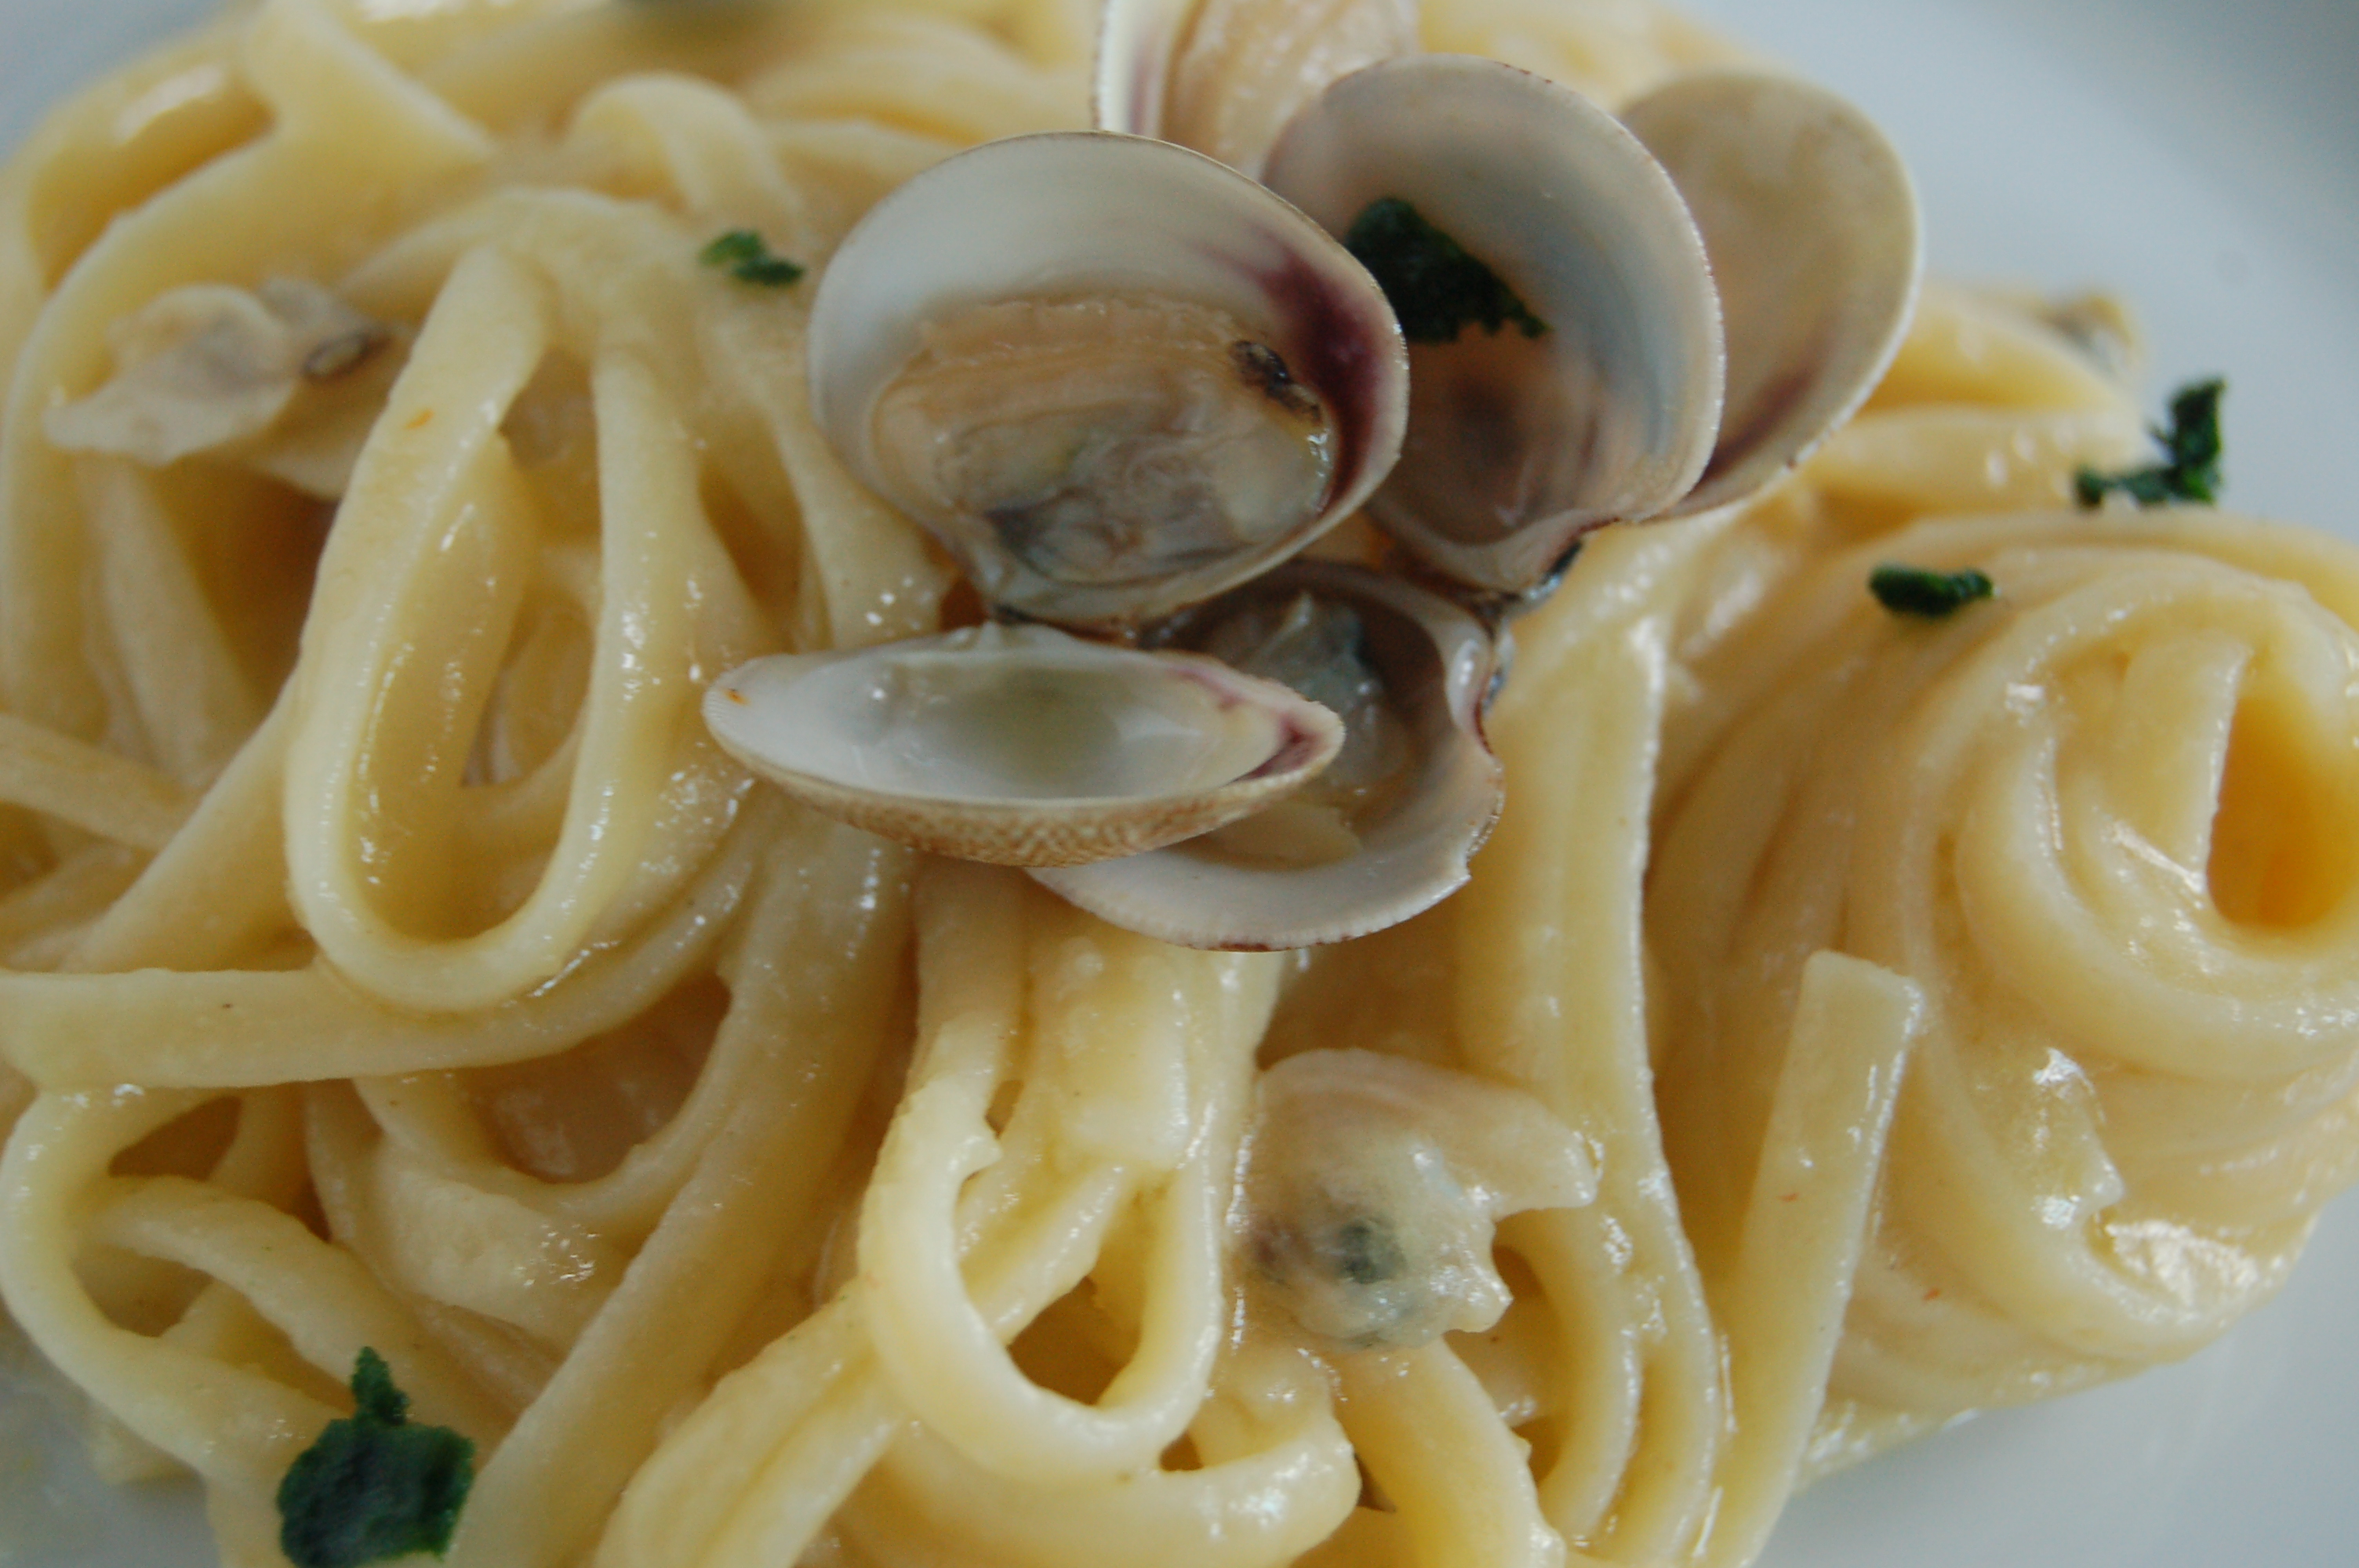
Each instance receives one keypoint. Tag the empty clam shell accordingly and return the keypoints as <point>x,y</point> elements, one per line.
<point>1224,76</point>
<point>1387,832</point>
<point>1811,223</point>
<point>1022,746</point>
<point>1111,375</point>
<point>1517,444</point>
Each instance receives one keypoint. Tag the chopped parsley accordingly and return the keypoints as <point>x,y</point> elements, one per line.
<point>1914,590</point>
<point>1436,287</point>
<point>2191,445</point>
<point>747,256</point>
<point>373,1486</point>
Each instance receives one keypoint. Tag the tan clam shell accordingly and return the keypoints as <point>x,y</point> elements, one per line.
<point>1085,215</point>
<point>925,742</point>
<point>1439,664</point>
<point>1224,76</point>
<point>1811,223</point>
<point>1610,415</point>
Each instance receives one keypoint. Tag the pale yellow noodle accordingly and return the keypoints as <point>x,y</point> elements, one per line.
<point>1954,1012</point>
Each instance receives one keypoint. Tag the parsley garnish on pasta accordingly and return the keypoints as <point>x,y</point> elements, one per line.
<point>2192,446</point>
<point>1932,595</point>
<point>373,1486</point>
<point>749,259</point>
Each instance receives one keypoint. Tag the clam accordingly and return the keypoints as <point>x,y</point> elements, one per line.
<point>1372,1188</point>
<point>1021,745</point>
<point>1113,377</point>
<point>1388,830</point>
<point>1520,441</point>
<point>1122,383</point>
<point>1811,221</point>
<point>1224,76</point>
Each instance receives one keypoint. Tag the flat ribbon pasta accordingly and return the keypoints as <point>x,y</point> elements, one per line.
<point>1899,1017</point>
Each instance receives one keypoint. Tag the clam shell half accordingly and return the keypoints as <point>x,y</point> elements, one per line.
<point>1224,76</point>
<point>1436,664</point>
<point>1022,746</point>
<point>1517,446</point>
<point>1053,227</point>
<point>1811,223</point>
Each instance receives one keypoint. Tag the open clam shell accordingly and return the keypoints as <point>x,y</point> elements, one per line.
<point>1224,76</point>
<point>1138,41</point>
<point>1519,444</point>
<point>1812,224</point>
<point>1403,816</point>
<point>1021,746</point>
<point>1111,375</point>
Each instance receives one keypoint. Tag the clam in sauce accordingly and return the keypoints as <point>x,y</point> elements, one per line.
<point>1316,647</point>
<point>1105,441</point>
<point>1373,1185</point>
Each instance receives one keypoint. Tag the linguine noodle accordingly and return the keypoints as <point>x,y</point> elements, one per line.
<point>1854,1021</point>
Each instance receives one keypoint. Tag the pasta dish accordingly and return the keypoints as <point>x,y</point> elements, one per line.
<point>416,1015</point>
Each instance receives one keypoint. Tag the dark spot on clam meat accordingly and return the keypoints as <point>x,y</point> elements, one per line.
<point>1363,1251</point>
<point>343,354</point>
<point>1349,1279</point>
<point>1343,352</point>
<point>1264,369</point>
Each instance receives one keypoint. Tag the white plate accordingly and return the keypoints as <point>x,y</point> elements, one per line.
<point>2202,158</point>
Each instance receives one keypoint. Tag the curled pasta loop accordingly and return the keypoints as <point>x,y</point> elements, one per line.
<point>311,184</point>
<point>234,1417</point>
<point>1278,1479</point>
<point>2106,823</point>
<point>1155,1087</point>
<point>373,782</point>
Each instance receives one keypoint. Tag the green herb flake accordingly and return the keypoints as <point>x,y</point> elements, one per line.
<point>748,259</point>
<point>1914,590</point>
<point>1437,289</point>
<point>2192,447</point>
<point>373,1487</point>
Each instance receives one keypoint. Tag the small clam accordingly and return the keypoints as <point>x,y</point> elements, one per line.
<point>1388,830</point>
<point>1605,406</point>
<point>1372,1188</point>
<point>1021,746</point>
<point>1224,76</point>
<point>1113,377</point>
<point>1810,221</point>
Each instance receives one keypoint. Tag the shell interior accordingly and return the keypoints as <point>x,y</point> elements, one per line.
<point>1021,745</point>
<point>1812,223</point>
<point>1288,878</point>
<point>1038,435</point>
<point>1516,445</point>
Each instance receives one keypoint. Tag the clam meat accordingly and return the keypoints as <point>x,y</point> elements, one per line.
<point>1021,745</point>
<point>1106,441</point>
<point>1390,827</point>
<point>1111,376</point>
<point>206,366</point>
<point>1373,1185</point>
